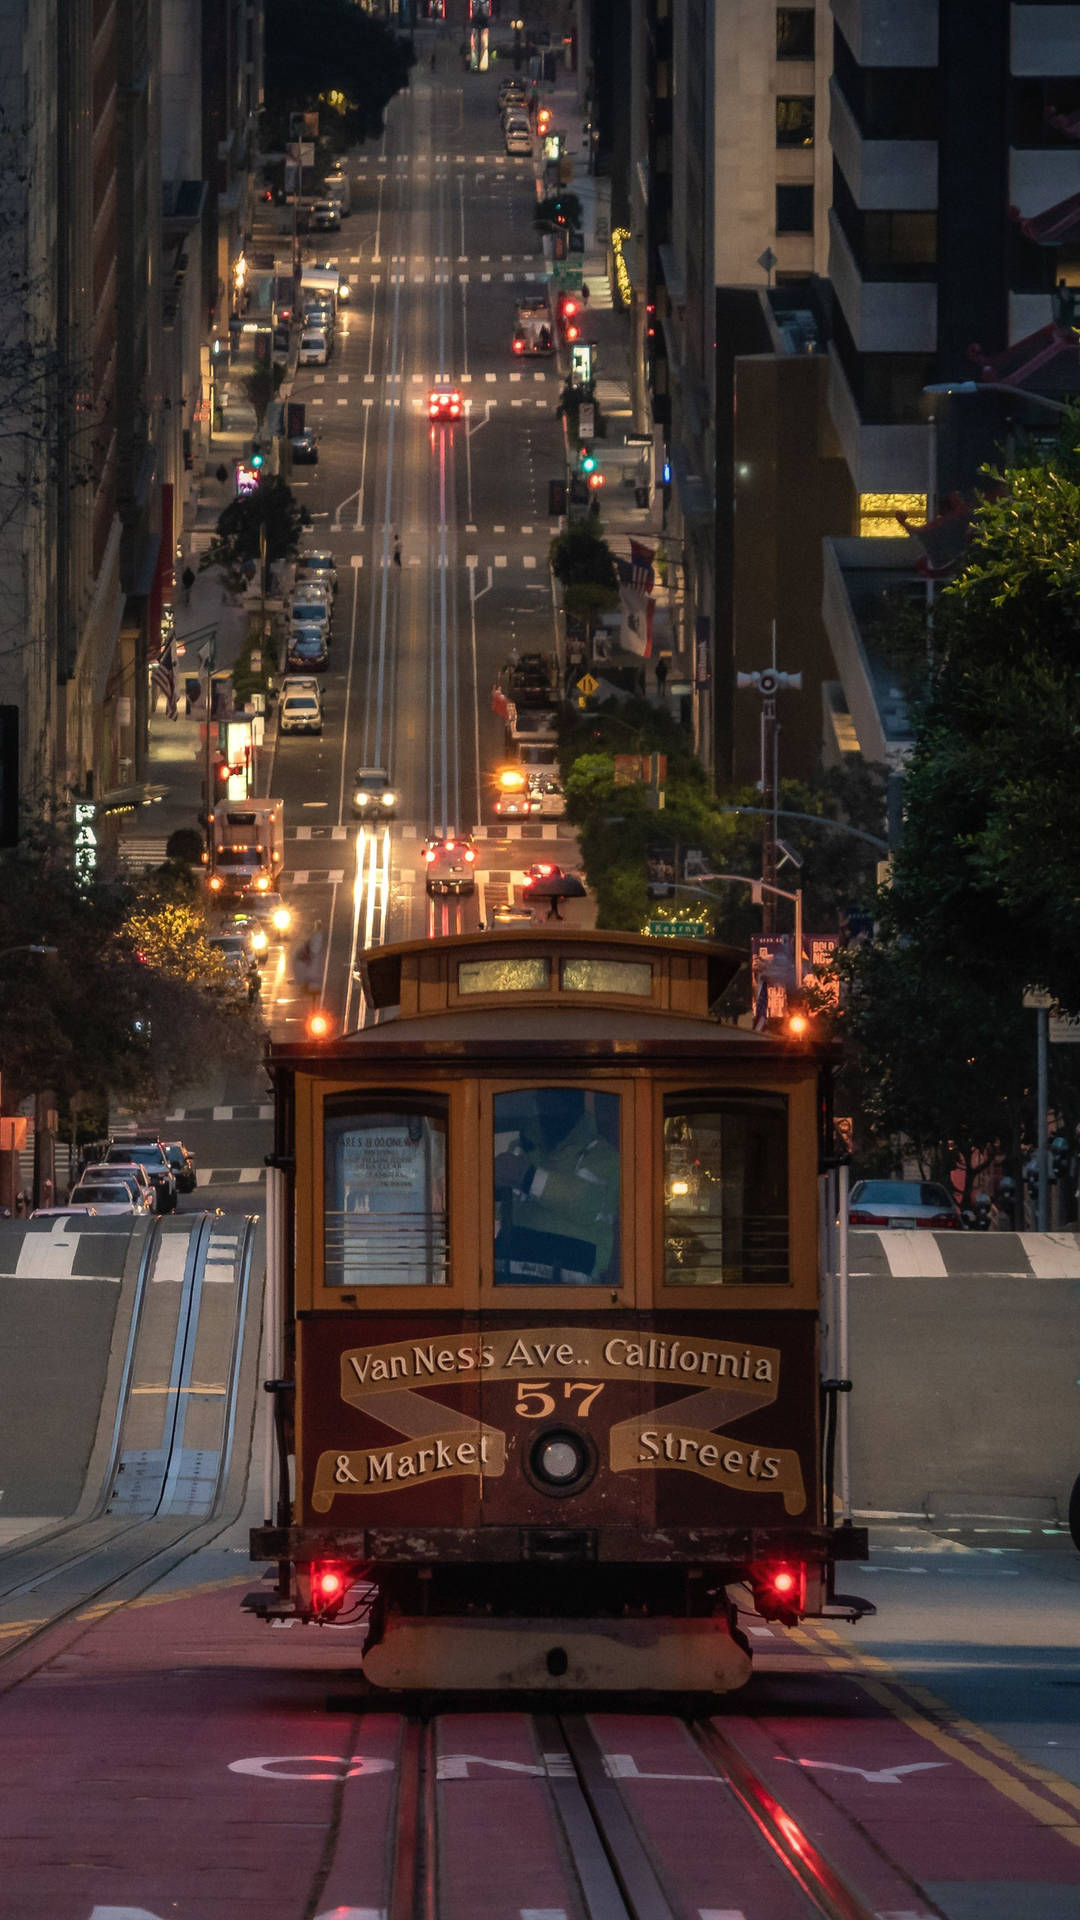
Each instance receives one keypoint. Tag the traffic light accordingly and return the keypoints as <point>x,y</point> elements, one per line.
<point>257,455</point>
<point>596,479</point>
<point>589,461</point>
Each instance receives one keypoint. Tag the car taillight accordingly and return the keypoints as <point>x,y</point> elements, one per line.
<point>572,332</point>
<point>940,1220</point>
<point>519,346</point>
<point>857,1218</point>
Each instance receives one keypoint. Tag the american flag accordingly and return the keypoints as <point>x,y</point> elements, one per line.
<point>163,677</point>
<point>641,564</point>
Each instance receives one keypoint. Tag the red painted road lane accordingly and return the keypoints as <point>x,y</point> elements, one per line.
<point>705,1848</point>
<point>500,1845</point>
<point>121,1765</point>
<point>937,1811</point>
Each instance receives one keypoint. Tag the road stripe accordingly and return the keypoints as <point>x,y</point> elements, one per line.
<point>912,1254</point>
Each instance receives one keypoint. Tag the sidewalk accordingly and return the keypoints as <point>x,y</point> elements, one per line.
<point>626,465</point>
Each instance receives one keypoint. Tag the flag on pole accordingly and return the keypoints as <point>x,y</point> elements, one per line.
<point>163,677</point>
<point>641,566</point>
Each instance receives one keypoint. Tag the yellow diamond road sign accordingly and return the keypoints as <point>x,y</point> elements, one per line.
<point>587,684</point>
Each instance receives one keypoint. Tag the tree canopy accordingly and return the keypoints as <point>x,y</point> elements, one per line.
<point>330,57</point>
<point>985,894</point>
<point>272,511</point>
<point>128,1002</point>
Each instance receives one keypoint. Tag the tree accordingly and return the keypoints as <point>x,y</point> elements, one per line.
<point>985,895</point>
<point>119,1009</point>
<point>330,57</point>
<point>270,513</point>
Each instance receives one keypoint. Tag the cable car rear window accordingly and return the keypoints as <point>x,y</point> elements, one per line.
<point>726,1191</point>
<point>556,1188</point>
<point>607,976</point>
<point>384,1221</point>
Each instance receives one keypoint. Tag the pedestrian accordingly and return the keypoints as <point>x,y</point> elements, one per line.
<point>187,581</point>
<point>397,549</point>
<point>584,293</point>
<point>661,673</point>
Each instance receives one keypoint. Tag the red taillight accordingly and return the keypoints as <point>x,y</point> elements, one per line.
<point>519,346</point>
<point>940,1220</point>
<point>780,1591</point>
<point>572,332</point>
<point>544,872</point>
<point>857,1218</point>
<point>329,1585</point>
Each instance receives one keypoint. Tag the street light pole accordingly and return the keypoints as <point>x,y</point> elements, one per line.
<point>757,888</point>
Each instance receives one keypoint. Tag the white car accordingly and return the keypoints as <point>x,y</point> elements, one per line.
<point>57,1213</point>
<point>300,713</point>
<point>317,567</point>
<point>106,1197</point>
<point>518,140</point>
<point>309,603</point>
<point>133,1175</point>
<point>314,348</point>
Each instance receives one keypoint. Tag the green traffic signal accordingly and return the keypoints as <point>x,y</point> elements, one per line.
<point>257,455</point>
<point>588,461</point>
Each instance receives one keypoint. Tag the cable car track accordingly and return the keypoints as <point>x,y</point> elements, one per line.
<point>130,1552</point>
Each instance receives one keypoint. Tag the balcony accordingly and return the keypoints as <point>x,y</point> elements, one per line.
<point>884,316</point>
<point>882,34</point>
<point>882,175</point>
<point>880,459</point>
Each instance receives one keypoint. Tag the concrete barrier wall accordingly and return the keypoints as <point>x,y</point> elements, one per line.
<point>965,1359</point>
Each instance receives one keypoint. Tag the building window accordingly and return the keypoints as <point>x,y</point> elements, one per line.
<point>794,120</point>
<point>725,1191</point>
<point>794,209</point>
<point>879,514</point>
<point>794,33</point>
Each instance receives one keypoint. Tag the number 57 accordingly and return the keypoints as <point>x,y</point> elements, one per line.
<point>536,1403</point>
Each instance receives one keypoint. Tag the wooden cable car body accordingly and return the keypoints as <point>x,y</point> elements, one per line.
<point>545,1303</point>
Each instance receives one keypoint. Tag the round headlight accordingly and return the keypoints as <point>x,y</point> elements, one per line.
<point>282,919</point>
<point>361,798</point>
<point>389,798</point>
<point>561,1461</point>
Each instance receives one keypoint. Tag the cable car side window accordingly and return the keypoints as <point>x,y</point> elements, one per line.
<point>384,1194</point>
<point>556,1160</point>
<point>726,1190</point>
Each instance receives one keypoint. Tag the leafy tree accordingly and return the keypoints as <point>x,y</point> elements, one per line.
<point>111,1013</point>
<point>331,57</point>
<point>271,511</point>
<point>985,897</point>
<point>580,556</point>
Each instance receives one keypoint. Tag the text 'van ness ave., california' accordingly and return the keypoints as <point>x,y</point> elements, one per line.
<point>514,1352</point>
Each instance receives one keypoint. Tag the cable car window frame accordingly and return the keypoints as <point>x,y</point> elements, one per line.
<point>511,1296</point>
<point>455,1100</point>
<point>802,1287</point>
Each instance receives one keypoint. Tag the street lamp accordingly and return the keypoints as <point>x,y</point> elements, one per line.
<point>1000,386</point>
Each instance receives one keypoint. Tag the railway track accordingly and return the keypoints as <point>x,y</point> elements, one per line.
<point>547,1816</point>
<point>170,1449</point>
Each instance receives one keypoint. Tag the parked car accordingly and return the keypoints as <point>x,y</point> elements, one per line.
<point>305,448</point>
<point>307,650</point>
<point>902,1203</point>
<point>150,1154</point>
<point>56,1213</point>
<point>374,798</point>
<point>105,1196</point>
<point>314,347</point>
<point>300,713</point>
<point>256,939</point>
<point>301,683</point>
<point>183,1166</point>
<point>518,140</point>
<point>309,606</point>
<point>548,798</point>
<point>134,1178</point>
<point>317,566</point>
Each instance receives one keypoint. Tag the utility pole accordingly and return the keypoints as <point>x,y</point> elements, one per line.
<point>769,681</point>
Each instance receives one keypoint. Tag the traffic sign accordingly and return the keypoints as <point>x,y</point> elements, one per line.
<point>587,684</point>
<point>678,930</point>
<point>1037,999</point>
<point>1064,1028</point>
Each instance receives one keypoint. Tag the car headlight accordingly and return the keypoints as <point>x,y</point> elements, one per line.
<point>282,919</point>
<point>361,799</point>
<point>389,797</point>
<point>258,942</point>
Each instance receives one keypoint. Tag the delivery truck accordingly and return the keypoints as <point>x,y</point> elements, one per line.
<point>247,850</point>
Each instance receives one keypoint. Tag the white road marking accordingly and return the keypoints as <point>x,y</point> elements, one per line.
<point>265,1767</point>
<point>171,1259</point>
<point>500,560</point>
<point>528,560</point>
<point>912,1256</point>
<point>623,1766</point>
<point>880,1777</point>
<point>721,1913</point>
